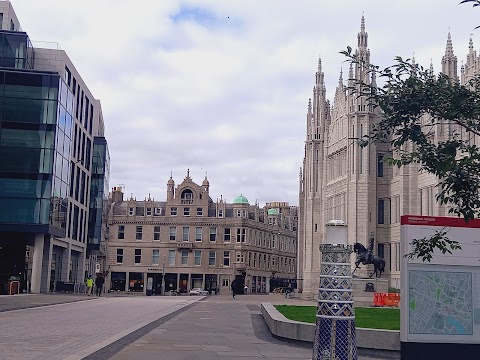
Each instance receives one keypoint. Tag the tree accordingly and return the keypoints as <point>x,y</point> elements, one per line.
<point>414,102</point>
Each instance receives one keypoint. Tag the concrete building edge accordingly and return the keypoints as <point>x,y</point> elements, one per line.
<point>369,341</point>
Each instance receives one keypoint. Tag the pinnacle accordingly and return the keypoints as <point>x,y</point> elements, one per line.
<point>449,48</point>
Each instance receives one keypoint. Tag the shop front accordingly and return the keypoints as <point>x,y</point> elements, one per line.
<point>136,282</point>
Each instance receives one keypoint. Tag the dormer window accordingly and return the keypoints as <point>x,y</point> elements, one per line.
<point>131,211</point>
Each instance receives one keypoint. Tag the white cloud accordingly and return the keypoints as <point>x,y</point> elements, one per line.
<point>223,86</point>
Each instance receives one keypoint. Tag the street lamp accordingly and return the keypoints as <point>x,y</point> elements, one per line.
<point>335,325</point>
<point>163,276</point>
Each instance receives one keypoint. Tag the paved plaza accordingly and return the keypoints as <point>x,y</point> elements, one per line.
<point>140,327</point>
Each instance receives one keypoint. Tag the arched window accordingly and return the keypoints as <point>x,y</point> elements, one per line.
<point>186,197</point>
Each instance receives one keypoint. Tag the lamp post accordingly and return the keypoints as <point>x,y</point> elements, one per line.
<point>163,276</point>
<point>335,325</point>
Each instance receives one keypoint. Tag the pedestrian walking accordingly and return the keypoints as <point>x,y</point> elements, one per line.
<point>245,289</point>
<point>234,288</point>
<point>288,291</point>
<point>99,284</point>
<point>89,284</point>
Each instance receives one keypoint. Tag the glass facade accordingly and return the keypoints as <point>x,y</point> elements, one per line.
<point>98,192</point>
<point>16,50</point>
<point>35,145</point>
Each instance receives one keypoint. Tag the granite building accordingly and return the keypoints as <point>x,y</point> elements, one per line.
<point>191,241</point>
<point>340,180</point>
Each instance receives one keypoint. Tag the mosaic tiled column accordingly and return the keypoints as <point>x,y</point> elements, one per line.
<point>335,325</point>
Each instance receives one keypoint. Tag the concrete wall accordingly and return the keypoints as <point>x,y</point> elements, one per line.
<point>280,326</point>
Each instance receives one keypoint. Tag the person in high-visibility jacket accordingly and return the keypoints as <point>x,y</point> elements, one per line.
<point>89,284</point>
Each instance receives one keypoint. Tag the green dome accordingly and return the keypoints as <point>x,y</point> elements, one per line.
<point>240,200</point>
<point>273,212</point>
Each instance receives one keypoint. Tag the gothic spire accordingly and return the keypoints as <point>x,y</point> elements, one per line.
<point>340,78</point>
<point>362,35</point>
<point>449,48</point>
<point>319,76</point>
<point>470,45</point>
<point>449,60</point>
<point>374,79</point>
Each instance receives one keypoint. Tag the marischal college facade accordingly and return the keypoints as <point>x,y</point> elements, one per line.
<point>191,241</point>
<point>340,180</point>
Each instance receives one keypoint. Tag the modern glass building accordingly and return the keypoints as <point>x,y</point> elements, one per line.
<point>98,210</point>
<point>48,119</point>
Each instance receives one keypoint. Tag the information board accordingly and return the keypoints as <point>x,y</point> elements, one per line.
<point>440,299</point>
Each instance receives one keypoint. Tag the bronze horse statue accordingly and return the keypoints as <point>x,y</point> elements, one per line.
<point>365,256</point>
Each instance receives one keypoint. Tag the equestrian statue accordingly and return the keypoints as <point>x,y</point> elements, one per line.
<point>365,256</point>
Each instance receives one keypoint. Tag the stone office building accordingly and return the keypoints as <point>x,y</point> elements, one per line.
<point>190,241</point>
<point>48,122</point>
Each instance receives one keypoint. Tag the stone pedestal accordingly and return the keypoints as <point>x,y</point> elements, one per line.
<point>364,298</point>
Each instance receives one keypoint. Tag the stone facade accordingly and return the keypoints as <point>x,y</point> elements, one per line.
<point>340,180</point>
<point>196,242</point>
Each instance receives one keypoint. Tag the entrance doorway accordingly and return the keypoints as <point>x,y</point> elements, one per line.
<point>157,283</point>
<point>183,286</point>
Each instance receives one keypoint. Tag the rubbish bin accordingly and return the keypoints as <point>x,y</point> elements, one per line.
<point>13,287</point>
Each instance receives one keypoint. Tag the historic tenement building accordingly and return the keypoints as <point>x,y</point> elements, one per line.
<point>340,180</point>
<point>190,241</point>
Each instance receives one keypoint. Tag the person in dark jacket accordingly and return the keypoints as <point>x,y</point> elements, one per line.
<point>99,283</point>
<point>234,288</point>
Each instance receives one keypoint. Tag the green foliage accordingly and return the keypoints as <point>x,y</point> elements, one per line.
<point>423,248</point>
<point>369,318</point>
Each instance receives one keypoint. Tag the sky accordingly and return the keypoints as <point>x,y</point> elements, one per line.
<point>222,86</point>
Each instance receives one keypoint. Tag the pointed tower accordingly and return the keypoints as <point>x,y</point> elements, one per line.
<point>206,184</point>
<point>363,54</point>
<point>170,188</point>
<point>472,65</point>
<point>449,60</point>
<point>311,184</point>
<point>361,194</point>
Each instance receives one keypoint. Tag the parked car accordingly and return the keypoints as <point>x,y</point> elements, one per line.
<point>198,291</point>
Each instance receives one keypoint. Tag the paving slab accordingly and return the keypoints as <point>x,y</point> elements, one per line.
<point>75,330</point>
<point>25,301</point>
<point>215,329</point>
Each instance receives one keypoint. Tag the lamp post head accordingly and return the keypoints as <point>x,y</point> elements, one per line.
<point>336,233</point>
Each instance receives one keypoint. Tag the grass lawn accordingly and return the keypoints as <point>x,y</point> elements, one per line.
<point>372,318</point>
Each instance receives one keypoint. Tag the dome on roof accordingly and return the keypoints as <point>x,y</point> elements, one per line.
<point>240,200</point>
<point>205,182</point>
<point>273,212</point>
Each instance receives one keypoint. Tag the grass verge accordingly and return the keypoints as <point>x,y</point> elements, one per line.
<point>370,318</point>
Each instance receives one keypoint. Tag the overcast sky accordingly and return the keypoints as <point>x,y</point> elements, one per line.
<point>222,85</point>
